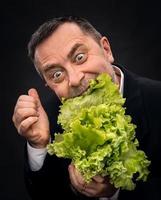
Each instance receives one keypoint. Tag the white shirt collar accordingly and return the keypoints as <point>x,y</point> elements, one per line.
<point>120,73</point>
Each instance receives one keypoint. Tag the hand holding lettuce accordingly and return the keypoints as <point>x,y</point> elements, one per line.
<point>99,138</point>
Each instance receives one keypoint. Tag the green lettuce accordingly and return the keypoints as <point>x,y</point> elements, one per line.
<point>99,137</point>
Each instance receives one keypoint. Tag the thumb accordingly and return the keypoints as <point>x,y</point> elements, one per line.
<point>33,93</point>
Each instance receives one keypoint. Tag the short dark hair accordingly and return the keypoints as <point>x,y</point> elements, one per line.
<point>47,28</point>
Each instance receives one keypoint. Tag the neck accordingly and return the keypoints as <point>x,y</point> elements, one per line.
<point>116,76</point>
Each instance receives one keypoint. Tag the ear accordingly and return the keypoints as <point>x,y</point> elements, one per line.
<point>107,49</point>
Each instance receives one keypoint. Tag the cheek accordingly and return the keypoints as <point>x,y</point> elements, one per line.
<point>60,90</point>
<point>98,66</point>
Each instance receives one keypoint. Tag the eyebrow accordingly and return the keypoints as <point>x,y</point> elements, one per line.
<point>74,49</point>
<point>48,67</point>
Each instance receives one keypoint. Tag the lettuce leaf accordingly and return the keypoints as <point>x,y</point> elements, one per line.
<point>99,137</point>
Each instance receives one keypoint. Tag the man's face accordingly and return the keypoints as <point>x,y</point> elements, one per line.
<point>68,59</point>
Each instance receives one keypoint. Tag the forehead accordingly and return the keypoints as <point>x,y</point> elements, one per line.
<point>68,29</point>
<point>63,36</point>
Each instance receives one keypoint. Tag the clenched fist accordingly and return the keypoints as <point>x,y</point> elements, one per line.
<point>31,120</point>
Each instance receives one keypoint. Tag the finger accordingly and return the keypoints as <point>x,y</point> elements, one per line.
<point>88,192</point>
<point>87,189</point>
<point>25,101</point>
<point>22,113</point>
<point>78,181</point>
<point>99,190</point>
<point>26,104</point>
<point>26,98</point>
<point>79,177</point>
<point>26,124</point>
<point>98,179</point>
<point>73,177</point>
<point>33,93</point>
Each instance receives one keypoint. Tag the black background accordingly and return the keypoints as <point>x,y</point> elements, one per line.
<point>132,27</point>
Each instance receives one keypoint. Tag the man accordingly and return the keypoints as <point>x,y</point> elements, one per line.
<point>67,53</point>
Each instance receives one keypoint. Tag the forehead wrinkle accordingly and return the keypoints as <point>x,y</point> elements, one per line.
<point>68,49</point>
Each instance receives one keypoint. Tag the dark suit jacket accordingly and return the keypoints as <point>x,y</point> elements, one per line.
<point>143,103</point>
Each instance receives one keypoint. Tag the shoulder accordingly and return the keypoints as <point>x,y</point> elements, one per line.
<point>149,86</point>
<point>150,89</point>
<point>144,90</point>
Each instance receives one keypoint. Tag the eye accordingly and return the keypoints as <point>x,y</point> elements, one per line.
<point>80,58</point>
<point>58,76</point>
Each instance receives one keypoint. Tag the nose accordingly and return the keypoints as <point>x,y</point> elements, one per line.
<point>75,77</point>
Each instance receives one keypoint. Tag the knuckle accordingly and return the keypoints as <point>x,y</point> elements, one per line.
<point>22,129</point>
<point>81,182</point>
<point>31,120</point>
<point>26,98</point>
<point>13,118</point>
<point>23,126</point>
<point>24,114</point>
<point>19,112</point>
<point>21,98</point>
<point>77,185</point>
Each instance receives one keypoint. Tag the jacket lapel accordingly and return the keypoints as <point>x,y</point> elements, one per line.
<point>134,103</point>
